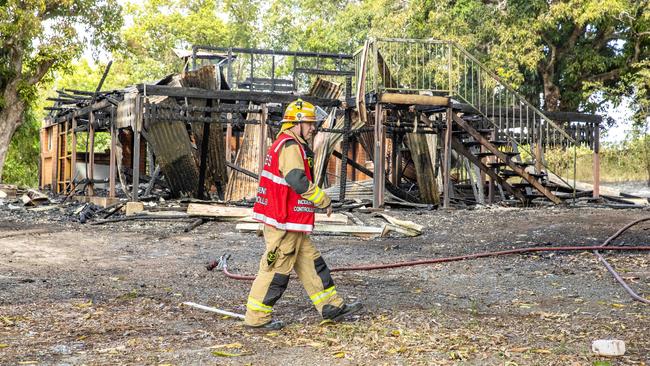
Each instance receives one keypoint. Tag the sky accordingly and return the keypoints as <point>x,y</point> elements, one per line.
<point>622,114</point>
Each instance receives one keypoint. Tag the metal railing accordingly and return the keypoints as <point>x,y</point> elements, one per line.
<point>274,70</point>
<point>437,67</point>
<point>406,65</point>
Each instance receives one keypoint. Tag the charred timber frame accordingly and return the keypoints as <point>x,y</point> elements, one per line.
<point>232,96</point>
<point>383,105</point>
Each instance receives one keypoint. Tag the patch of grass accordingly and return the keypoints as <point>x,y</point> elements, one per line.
<point>618,162</point>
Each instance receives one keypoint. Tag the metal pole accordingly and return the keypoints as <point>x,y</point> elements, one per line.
<point>250,87</point>
<point>449,56</point>
<point>272,73</point>
<point>575,162</point>
<point>230,69</point>
<point>596,192</point>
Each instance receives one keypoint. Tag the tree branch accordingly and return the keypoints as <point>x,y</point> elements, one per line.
<point>573,39</point>
<point>553,57</point>
<point>603,37</point>
<point>609,75</point>
<point>39,72</point>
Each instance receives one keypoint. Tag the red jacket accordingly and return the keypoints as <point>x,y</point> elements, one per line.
<point>277,204</point>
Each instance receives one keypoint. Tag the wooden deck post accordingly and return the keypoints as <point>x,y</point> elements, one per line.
<point>54,174</point>
<point>228,137</point>
<point>379,168</point>
<point>205,145</point>
<point>73,154</point>
<point>447,160</point>
<point>393,158</point>
<point>112,169</point>
<point>538,150</point>
<point>596,192</point>
<point>262,141</point>
<point>91,154</point>
<point>136,148</point>
<point>491,187</point>
<point>345,140</point>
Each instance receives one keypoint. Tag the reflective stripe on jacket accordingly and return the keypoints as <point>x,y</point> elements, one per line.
<point>277,204</point>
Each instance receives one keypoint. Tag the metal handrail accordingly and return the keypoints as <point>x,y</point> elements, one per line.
<point>438,66</point>
<point>511,89</point>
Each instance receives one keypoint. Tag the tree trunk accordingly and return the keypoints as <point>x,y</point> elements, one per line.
<point>11,116</point>
<point>646,145</point>
<point>551,95</point>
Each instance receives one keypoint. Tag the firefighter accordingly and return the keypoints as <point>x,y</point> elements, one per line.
<point>286,200</point>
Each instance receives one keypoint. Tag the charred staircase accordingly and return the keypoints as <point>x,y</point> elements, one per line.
<point>488,122</point>
<point>501,165</point>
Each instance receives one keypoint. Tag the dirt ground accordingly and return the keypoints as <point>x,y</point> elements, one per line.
<point>104,295</point>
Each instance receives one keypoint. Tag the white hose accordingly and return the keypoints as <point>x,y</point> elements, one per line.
<point>214,310</point>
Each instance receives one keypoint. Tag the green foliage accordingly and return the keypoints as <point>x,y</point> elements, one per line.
<point>619,162</point>
<point>39,37</point>
<point>327,26</point>
<point>21,165</point>
<point>159,26</point>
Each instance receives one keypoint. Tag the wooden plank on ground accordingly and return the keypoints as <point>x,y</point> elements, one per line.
<point>195,209</point>
<point>245,213</point>
<point>96,200</point>
<point>410,225</point>
<point>323,228</point>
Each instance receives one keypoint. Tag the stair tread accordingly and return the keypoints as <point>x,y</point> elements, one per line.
<point>512,173</point>
<point>521,185</point>
<point>488,153</point>
<point>482,131</point>
<point>493,142</point>
<point>501,164</point>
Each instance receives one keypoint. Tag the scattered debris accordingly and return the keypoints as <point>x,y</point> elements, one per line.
<point>8,191</point>
<point>408,228</point>
<point>608,347</point>
<point>34,198</point>
<point>133,208</point>
<point>194,224</point>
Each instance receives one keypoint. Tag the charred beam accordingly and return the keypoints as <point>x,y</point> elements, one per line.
<point>231,96</point>
<point>393,189</point>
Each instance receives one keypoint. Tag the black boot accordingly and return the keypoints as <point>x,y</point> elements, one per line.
<point>336,314</point>
<point>272,325</point>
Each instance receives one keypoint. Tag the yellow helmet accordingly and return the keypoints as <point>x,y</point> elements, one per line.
<point>298,111</point>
